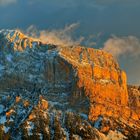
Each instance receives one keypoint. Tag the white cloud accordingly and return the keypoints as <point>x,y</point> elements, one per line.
<point>129,48</point>
<point>123,46</point>
<point>7,2</point>
<point>63,37</point>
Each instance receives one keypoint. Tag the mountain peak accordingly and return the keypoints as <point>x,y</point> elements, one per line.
<point>16,39</point>
<point>62,92</point>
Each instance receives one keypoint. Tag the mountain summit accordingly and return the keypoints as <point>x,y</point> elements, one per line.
<point>62,93</point>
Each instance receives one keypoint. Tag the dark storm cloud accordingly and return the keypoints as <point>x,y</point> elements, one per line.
<point>118,17</point>
<point>93,15</point>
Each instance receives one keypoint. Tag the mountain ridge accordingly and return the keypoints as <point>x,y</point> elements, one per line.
<point>59,87</point>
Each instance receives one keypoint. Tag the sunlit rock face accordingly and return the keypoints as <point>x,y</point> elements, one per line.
<point>56,92</point>
<point>101,79</point>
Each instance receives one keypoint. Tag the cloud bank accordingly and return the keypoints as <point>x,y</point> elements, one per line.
<point>123,46</point>
<point>7,2</point>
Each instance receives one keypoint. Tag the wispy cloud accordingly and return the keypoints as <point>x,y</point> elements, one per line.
<point>7,2</point>
<point>123,46</point>
<point>127,51</point>
<point>62,37</point>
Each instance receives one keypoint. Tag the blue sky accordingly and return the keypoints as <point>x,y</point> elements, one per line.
<point>108,17</point>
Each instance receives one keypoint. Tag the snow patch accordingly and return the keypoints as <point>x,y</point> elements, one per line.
<point>41,136</point>
<point>6,129</point>
<point>1,67</point>
<point>30,127</point>
<point>1,108</point>
<point>9,57</point>
<point>97,123</point>
<point>84,116</point>
<point>2,119</point>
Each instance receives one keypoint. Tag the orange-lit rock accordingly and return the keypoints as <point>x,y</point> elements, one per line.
<point>43,104</point>
<point>102,79</point>
<point>8,114</point>
<point>31,116</point>
<point>26,103</point>
<point>18,99</point>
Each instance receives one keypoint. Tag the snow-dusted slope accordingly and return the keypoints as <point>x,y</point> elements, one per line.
<point>16,40</point>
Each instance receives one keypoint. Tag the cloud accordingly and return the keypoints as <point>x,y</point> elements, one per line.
<point>108,2</point>
<point>123,46</point>
<point>127,51</point>
<point>63,37</point>
<point>7,2</point>
<point>32,31</point>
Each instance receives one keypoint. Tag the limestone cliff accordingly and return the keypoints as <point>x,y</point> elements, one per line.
<point>101,79</point>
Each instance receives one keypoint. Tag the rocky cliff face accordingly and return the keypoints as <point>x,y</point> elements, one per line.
<point>56,92</point>
<point>134,98</point>
<point>101,80</point>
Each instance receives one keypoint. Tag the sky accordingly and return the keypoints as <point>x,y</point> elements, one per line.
<point>113,25</point>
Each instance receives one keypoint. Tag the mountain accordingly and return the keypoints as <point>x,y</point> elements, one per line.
<point>63,93</point>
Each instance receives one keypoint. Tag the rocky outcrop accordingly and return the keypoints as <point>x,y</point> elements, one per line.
<point>45,122</point>
<point>134,98</point>
<point>100,78</point>
<point>56,92</point>
<point>16,40</point>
